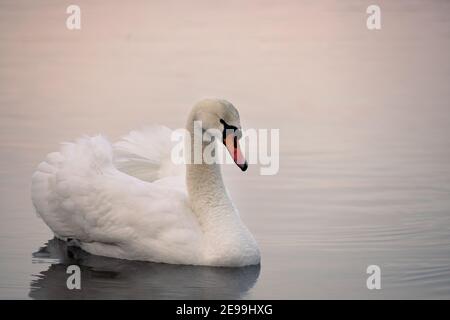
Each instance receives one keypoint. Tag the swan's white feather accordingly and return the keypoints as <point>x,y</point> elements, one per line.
<point>145,154</point>
<point>80,194</point>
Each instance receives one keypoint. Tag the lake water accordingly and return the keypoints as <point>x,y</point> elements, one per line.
<point>364,119</point>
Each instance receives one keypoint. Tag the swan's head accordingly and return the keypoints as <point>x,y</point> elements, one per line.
<point>221,116</point>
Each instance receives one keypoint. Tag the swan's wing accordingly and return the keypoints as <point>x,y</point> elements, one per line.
<point>80,194</point>
<point>146,154</point>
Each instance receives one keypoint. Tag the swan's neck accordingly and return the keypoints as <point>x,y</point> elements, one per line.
<point>207,193</point>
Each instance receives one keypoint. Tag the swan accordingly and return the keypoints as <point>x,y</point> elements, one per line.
<point>128,200</point>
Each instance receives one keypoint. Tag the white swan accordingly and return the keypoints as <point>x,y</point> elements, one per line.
<point>129,201</point>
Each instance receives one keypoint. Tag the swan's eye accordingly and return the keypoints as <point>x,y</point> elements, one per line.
<point>228,129</point>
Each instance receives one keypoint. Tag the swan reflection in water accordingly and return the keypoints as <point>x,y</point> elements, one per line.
<point>108,278</point>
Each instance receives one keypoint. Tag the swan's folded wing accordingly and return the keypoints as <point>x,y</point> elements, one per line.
<point>80,194</point>
<point>64,187</point>
<point>146,154</point>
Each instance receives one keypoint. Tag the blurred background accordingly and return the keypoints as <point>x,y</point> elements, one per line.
<point>364,135</point>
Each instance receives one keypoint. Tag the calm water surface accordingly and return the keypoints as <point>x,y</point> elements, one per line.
<point>364,121</point>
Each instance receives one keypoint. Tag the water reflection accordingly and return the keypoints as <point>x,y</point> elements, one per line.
<point>107,278</point>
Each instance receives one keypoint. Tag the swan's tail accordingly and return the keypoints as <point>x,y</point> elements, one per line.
<point>65,174</point>
<point>146,154</point>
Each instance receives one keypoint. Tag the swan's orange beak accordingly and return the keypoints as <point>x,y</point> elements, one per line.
<point>232,144</point>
